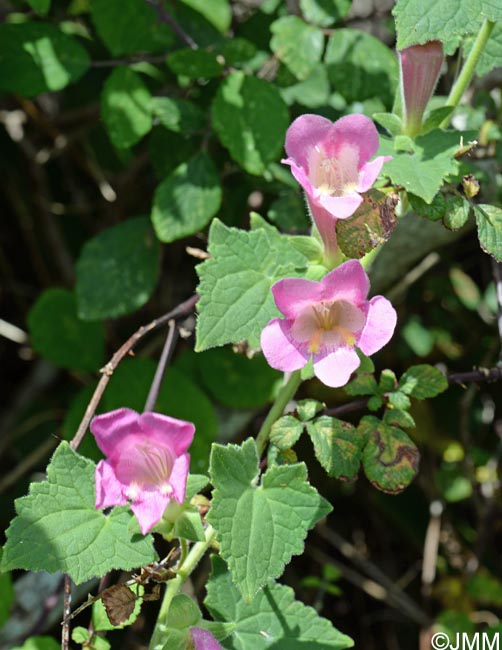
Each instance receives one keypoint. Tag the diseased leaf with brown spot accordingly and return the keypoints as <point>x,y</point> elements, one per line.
<point>119,603</point>
<point>338,446</point>
<point>370,226</point>
<point>390,458</point>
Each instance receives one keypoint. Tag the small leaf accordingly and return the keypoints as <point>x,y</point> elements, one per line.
<point>400,419</point>
<point>423,381</point>
<point>399,400</point>
<point>187,199</point>
<point>59,336</point>
<point>375,402</point>
<point>250,119</point>
<point>188,525</point>
<point>178,115</point>
<point>457,212</point>
<point>308,409</point>
<point>285,432</point>
<point>338,446</point>
<point>466,290</point>
<point>274,619</point>
<point>388,381</point>
<point>195,64</point>
<point>389,121</point>
<point>218,12</point>
<point>371,225</point>
<point>324,12</point>
<point>298,45</point>
<point>363,384</point>
<point>489,222</point>
<point>183,612</point>
<point>435,118</point>
<point>119,602</point>
<point>117,271</point>
<point>434,210</point>
<point>57,527</point>
<point>125,106</point>
<point>40,6</point>
<point>39,643</point>
<point>390,457</point>
<point>260,527</point>
<point>37,57</point>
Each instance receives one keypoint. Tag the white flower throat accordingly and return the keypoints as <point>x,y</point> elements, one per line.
<point>336,175</point>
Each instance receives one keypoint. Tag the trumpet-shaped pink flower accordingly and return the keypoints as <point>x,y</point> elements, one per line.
<point>146,462</point>
<point>327,320</point>
<point>331,161</point>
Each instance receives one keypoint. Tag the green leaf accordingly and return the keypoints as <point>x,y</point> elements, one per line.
<point>237,51</point>
<point>436,118</point>
<point>59,336</point>
<point>125,106</point>
<point>189,526</point>
<point>388,381</point>
<point>117,271</point>
<point>285,432</point>
<point>313,92</point>
<point>57,527</point>
<point>195,64</point>
<point>37,57</point>
<point>389,121</point>
<point>274,619</point>
<point>129,27</point>
<point>399,400</point>
<point>423,381</point>
<point>492,52</point>
<point>324,12</point>
<point>178,115</point>
<point>457,212</point>
<point>390,457</point>
<point>39,643</point>
<point>217,12</point>
<point>40,6</point>
<point>466,290</point>
<point>100,620</point>
<point>434,210</point>
<point>363,384</point>
<point>360,66</point>
<point>259,527</point>
<point>7,596</point>
<point>235,298</point>
<point>398,418</point>
<point>183,612</point>
<point>308,409</point>
<point>298,45</point>
<point>371,225</point>
<point>375,402</point>
<point>489,223</point>
<point>338,446</point>
<point>250,118</point>
<point>236,381</point>
<point>195,484</point>
<point>419,21</point>
<point>422,171</point>
<point>187,199</point>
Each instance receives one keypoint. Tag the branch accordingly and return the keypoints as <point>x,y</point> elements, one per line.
<point>165,357</point>
<point>178,312</point>
<point>165,17</point>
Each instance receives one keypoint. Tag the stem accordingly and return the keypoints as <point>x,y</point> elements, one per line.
<point>283,397</point>
<point>467,72</point>
<point>174,585</point>
<point>165,357</point>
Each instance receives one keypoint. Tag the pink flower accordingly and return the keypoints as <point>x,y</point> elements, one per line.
<point>420,67</point>
<point>146,462</point>
<point>327,320</point>
<point>331,163</point>
<point>203,640</point>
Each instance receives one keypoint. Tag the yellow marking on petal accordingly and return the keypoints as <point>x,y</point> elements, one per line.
<point>315,342</point>
<point>347,335</point>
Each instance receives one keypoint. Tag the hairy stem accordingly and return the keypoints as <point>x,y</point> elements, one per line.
<point>467,72</point>
<point>187,566</point>
<point>283,397</point>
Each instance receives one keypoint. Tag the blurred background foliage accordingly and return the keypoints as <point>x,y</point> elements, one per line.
<point>126,126</point>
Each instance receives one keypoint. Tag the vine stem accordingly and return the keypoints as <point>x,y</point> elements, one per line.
<point>469,67</point>
<point>285,394</point>
<point>165,357</point>
<point>184,571</point>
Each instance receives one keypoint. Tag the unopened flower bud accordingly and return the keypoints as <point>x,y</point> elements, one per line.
<point>420,66</point>
<point>470,185</point>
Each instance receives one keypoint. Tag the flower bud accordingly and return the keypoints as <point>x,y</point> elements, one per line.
<point>420,66</point>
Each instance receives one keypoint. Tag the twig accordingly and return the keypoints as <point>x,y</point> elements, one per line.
<point>112,63</point>
<point>497,276</point>
<point>165,17</point>
<point>65,632</point>
<point>178,312</point>
<point>165,357</point>
<point>431,546</point>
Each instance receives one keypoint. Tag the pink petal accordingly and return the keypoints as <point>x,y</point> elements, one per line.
<point>178,480</point>
<point>149,509</point>
<point>356,130</point>
<point>111,428</point>
<point>292,295</point>
<point>171,432</point>
<point>305,132</point>
<point>279,348</point>
<point>380,323</point>
<point>204,640</point>
<point>335,368</point>
<point>369,173</point>
<point>341,207</point>
<point>301,175</point>
<point>347,282</point>
<point>109,491</point>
